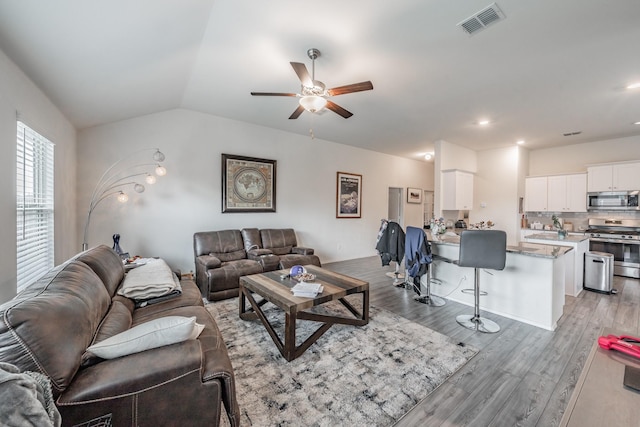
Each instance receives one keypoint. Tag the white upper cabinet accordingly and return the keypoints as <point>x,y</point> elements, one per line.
<point>536,194</point>
<point>616,177</point>
<point>457,189</point>
<point>567,193</point>
<point>558,193</point>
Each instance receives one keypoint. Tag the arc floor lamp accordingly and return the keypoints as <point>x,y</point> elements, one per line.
<point>120,176</point>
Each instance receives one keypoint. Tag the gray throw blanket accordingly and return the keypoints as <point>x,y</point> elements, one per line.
<point>152,280</point>
<point>26,398</point>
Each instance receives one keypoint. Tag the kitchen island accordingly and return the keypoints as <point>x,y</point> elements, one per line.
<point>530,289</point>
<point>574,262</point>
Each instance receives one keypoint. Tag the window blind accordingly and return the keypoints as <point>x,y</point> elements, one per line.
<point>34,178</point>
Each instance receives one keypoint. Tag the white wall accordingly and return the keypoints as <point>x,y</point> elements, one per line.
<point>450,156</point>
<point>162,220</point>
<point>19,95</point>
<point>575,158</point>
<point>496,187</point>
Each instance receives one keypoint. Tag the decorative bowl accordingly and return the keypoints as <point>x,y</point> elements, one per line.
<point>305,277</point>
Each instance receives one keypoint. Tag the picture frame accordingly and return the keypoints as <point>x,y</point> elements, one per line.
<point>414,195</point>
<point>348,195</point>
<point>248,184</point>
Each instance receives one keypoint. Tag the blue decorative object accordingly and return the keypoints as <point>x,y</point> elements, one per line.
<point>297,270</point>
<point>116,244</point>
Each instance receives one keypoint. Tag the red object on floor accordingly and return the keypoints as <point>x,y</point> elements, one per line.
<point>622,343</point>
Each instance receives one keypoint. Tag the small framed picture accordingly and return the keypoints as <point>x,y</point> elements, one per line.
<point>414,195</point>
<point>349,195</point>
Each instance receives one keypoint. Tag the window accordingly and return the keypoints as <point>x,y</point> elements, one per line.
<point>34,205</point>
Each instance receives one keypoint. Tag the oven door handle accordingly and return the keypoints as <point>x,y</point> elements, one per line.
<point>622,241</point>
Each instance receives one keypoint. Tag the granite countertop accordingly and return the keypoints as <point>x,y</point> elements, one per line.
<point>524,248</point>
<point>574,238</point>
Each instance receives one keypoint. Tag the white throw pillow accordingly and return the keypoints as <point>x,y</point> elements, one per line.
<point>148,335</point>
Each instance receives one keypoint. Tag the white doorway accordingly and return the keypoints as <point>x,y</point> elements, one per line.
<point>396,205</point>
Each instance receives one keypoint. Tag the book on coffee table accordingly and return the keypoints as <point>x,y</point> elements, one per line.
<point>305,289</point>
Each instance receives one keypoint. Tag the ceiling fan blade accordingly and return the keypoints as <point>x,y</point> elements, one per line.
<point>273,94</point>
<point>297,113</point>
<point>338,109</point>
<point>356,87</point>
<point>303,74</point>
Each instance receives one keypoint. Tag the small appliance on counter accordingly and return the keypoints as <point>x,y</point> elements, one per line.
<point>460,224</point>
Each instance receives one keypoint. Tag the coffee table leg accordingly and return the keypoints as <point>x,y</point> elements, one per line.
<point>365,306</point>
<point>289,337</point>
<point>242,306</point>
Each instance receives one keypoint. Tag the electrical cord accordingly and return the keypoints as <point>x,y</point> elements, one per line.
<point>462,279</point>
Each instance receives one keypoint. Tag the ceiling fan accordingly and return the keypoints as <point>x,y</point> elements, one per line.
<point>313,93</point>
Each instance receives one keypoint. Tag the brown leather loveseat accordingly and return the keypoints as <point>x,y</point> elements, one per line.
<point>222,257</point>
<point>47,328</point>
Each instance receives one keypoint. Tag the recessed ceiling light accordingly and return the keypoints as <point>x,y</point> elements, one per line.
<point>634,86</point>
<point>428,156</point>
<point>520,142</point>
<point>637,123</point>
<point>483,122</point>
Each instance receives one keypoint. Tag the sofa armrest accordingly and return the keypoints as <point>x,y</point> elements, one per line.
<point>209,261</point>
<point>299,250</point>
<point>181,369</point>
<point>255,254</point>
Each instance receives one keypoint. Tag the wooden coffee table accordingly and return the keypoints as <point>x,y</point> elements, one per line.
<point>271,288</point>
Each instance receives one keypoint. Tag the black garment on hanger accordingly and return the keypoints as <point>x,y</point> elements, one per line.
<point>391,244</point>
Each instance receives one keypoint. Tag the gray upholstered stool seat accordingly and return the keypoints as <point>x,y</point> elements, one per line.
<point>481,249</point>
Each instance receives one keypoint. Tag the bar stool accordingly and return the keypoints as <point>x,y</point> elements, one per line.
<point>481,249</point>
<point>427,297</point>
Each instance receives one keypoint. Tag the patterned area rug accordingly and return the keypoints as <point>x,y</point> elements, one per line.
<point>352,376</point>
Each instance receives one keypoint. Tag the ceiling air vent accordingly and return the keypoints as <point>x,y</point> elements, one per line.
<point>481,20</point>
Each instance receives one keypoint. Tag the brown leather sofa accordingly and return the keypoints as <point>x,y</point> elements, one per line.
<point>222,257</point>
<point>281,242</point>
<point>47,328</point>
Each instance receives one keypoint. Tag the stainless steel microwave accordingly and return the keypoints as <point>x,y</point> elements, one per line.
<point>613,201</point>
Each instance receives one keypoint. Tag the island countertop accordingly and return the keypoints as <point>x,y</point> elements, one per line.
<point>527,249</point>
<point>553,237</point>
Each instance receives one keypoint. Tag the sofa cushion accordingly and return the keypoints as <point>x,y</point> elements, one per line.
<point>279,240</point>
<point>230,256</point>
<point>47,327</point>
<point>152,334</point>
<point>251,237</point>
<point>218,242</point>
<point>106,263</point>
<point>117,320</point>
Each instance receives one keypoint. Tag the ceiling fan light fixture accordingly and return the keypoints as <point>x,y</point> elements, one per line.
<point>313,103</point>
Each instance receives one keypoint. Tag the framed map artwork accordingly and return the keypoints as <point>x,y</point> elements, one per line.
<point>248,184</point>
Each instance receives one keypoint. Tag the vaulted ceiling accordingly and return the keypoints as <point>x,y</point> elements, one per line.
<point>546,69</point>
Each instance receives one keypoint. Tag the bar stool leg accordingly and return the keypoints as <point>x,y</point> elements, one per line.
<point>427,298</point>
<point>475,322</point>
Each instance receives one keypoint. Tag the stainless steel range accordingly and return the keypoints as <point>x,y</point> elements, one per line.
<point>620,237</point>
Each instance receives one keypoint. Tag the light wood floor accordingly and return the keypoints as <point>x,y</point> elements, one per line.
<point>523,375</point>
